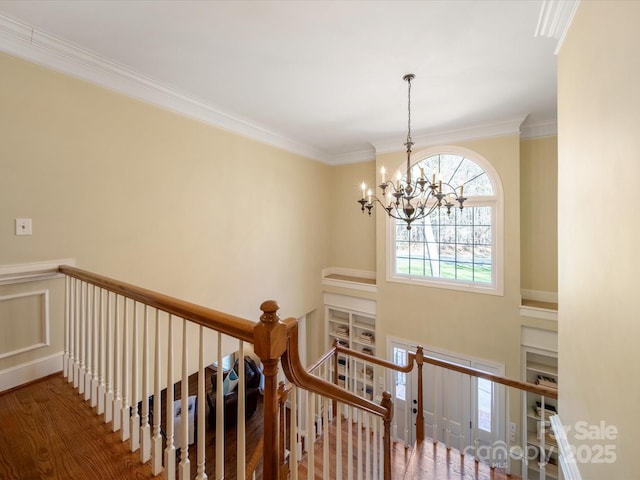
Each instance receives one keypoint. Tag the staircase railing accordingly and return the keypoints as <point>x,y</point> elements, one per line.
<point>123,345</point>
<point>535,401</point>
<point>325,399</point>
<point>127,374</point>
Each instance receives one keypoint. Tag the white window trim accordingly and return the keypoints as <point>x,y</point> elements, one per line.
<point>497,287</point>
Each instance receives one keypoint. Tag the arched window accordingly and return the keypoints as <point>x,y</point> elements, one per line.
<point>460,249</point>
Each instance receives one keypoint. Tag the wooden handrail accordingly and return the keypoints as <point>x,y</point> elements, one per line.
<point>528,387</point>
<point>376,360</point>
<point>228,324</point>
<point>421,358</point>
<point>299,376</point>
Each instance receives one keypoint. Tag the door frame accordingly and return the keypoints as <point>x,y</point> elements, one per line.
<point>475,436</point>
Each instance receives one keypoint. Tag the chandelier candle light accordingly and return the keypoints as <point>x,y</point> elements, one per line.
<point>410,200</point>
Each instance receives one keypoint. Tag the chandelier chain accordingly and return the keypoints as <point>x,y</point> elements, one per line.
<point>409,112</point>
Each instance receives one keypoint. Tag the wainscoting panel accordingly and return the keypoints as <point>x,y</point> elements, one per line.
<point>24,321</point>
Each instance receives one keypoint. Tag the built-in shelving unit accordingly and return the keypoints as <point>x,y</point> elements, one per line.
<point>540,367</point>
<point>352,322</point>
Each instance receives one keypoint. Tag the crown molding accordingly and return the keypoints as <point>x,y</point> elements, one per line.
<point>555,19</point>
<point>357,156</point>
<point>500,129</point>
<point>24,41</point>
<point>549,129</point>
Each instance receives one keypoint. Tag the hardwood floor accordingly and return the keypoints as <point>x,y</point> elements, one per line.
<point>427,461</point>
<point>47,431</point>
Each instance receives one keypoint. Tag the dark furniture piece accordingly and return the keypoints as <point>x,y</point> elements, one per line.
<point>252,377</point>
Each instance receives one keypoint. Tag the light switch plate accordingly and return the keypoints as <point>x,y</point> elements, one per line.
<point>23,226</point>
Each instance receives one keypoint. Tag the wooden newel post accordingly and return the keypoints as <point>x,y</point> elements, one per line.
<point>420,417</point>
<point>270,342</point>
<point>388,404</point>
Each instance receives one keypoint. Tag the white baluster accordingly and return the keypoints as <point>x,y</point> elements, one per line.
<point>156,446</point>
<point>461,414</point>
<point>311,437</point>
<point>145,429</point>
<point>185,466</point>
<point>350,444</point>
<point>446,405</point>
<point>67,318</point>
<point>201,475</point>
<point>338,424</point>
<point>360,453</point>
<point>542,439</point>
<point>325,438</point>
<point>117,369</point>
<point>108,356</point>
<point>95,338</point>
<point>436,413</point>
<point>170,450</point>
<point>367,426</point>
<point>523,431</point>
<point>76,340</point>
<point>293,435</point>
<point>374,447</point>
<point>102,388</point>
<point>241,426</point>
<point>126,368</point>
<point>134,419</point>
<point>82,350</point>
<point>219,414</point>
<point>380,448</point>
<point>88,322</point>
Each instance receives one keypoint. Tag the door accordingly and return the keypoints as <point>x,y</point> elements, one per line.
<point>461,411</point>
<point>446,400</point>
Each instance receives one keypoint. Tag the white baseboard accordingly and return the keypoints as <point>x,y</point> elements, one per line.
<point>26,372</point>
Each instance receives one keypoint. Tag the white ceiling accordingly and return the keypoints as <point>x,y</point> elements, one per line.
<point>324,77</point>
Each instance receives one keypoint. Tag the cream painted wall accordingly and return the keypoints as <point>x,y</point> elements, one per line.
<point>153,198</point>
<point>598,230</point>
<point>477,325</point>
<point>539,214</point>
<point>353,242</point>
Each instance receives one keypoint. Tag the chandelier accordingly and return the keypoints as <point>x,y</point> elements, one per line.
<point>408,199</point>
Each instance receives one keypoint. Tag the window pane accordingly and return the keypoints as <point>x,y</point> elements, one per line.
<point>402,265</point>
<point>482,273</point>
<point>447,270</point>
<point>464,235</point>
<point>482,216</point>
<point>482,254</point>
<point>455,245</point>
<point>402,249</point>
<point>416,266</point>
<point>400,358</point>
<point>417,250</point>
<point>484,404</point>
<point>464,271</point>
<point>464,254</point>
<point>482,235</point>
